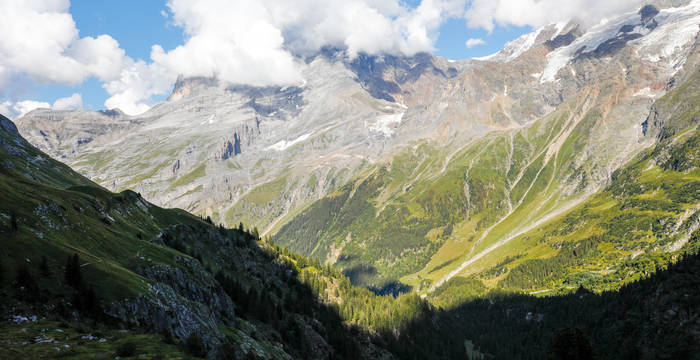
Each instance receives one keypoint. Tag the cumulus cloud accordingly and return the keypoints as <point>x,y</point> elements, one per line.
<point>18,109</point>
<point>254,42</point>
<point>38,38</point>
<point>14,110</point>
<point>487,14</point>
<point>257,42</point>
<point>74,101</point>
<point>474,42</point>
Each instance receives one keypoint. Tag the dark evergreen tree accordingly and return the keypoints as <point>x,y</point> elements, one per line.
<point>256,234</point>
<point>72,273</point>
<point>167,336</point>
<point>85,300</point>
<point>13,223</point>
<point>44,267</point>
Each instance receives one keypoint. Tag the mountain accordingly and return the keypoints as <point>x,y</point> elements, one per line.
<point>146,280</point>
<point>160,283</point>
<point>407,172</point>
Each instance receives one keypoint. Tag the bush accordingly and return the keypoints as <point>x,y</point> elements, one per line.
<point>126,349</point>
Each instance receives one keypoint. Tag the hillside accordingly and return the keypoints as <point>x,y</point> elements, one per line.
<point>424,216</point>
<point>243,297</point>
<point>160,281</point>
<point>398,169</point>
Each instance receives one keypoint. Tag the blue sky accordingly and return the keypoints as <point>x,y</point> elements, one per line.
<point>137,25</point>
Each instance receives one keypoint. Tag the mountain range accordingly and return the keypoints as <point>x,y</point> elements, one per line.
<point>566,165</point>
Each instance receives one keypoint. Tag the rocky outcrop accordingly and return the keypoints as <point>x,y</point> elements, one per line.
<point>229,148</point>
<point>181,300</point>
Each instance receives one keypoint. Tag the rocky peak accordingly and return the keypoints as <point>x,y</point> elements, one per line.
<point>565,37</point>
<point>648,12</point>
<point>187,86</point>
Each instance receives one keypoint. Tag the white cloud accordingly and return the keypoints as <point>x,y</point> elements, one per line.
<point>14,110</point>
<point>38,38</point>
<point>137,83</point>
<point>474,42</point>
<point>255,42</point>
<point>74,101</point>
<point>487,14</point>
<point>18,109</point>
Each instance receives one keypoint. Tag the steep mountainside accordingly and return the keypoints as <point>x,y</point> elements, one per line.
<point>423,218</point>
<point>144,271</point>
<point>132,290</point>
<point>401,170</point>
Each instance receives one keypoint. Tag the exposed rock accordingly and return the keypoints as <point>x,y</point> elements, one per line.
<point>181,302</point>
<point>564,39</point>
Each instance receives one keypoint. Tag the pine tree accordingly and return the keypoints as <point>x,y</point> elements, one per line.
<point>72,272</point>
<point>256,234</point>
<point>44,267</point>
<point>13,223</point>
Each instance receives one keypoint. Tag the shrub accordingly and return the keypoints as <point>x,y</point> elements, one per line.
<point>126,349</point>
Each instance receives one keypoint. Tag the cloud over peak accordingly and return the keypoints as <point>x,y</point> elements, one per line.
<point>487,14</point>
<point>254,42</point>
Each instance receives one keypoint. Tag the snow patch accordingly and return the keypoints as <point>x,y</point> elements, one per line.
<point>284,144</point>
<point>676,27</point>
<point>514,48</point>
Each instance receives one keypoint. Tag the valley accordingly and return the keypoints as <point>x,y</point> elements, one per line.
<point>538,202</point>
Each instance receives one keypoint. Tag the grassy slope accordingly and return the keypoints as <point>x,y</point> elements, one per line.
<point>59,213</point>
<point>418,219</point>
<point>631,229</point>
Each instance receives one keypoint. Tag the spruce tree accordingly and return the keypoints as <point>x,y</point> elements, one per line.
<point>256,234</point>
<point>72,272</point>
<point>44,267</point>
<point>13,223</point>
